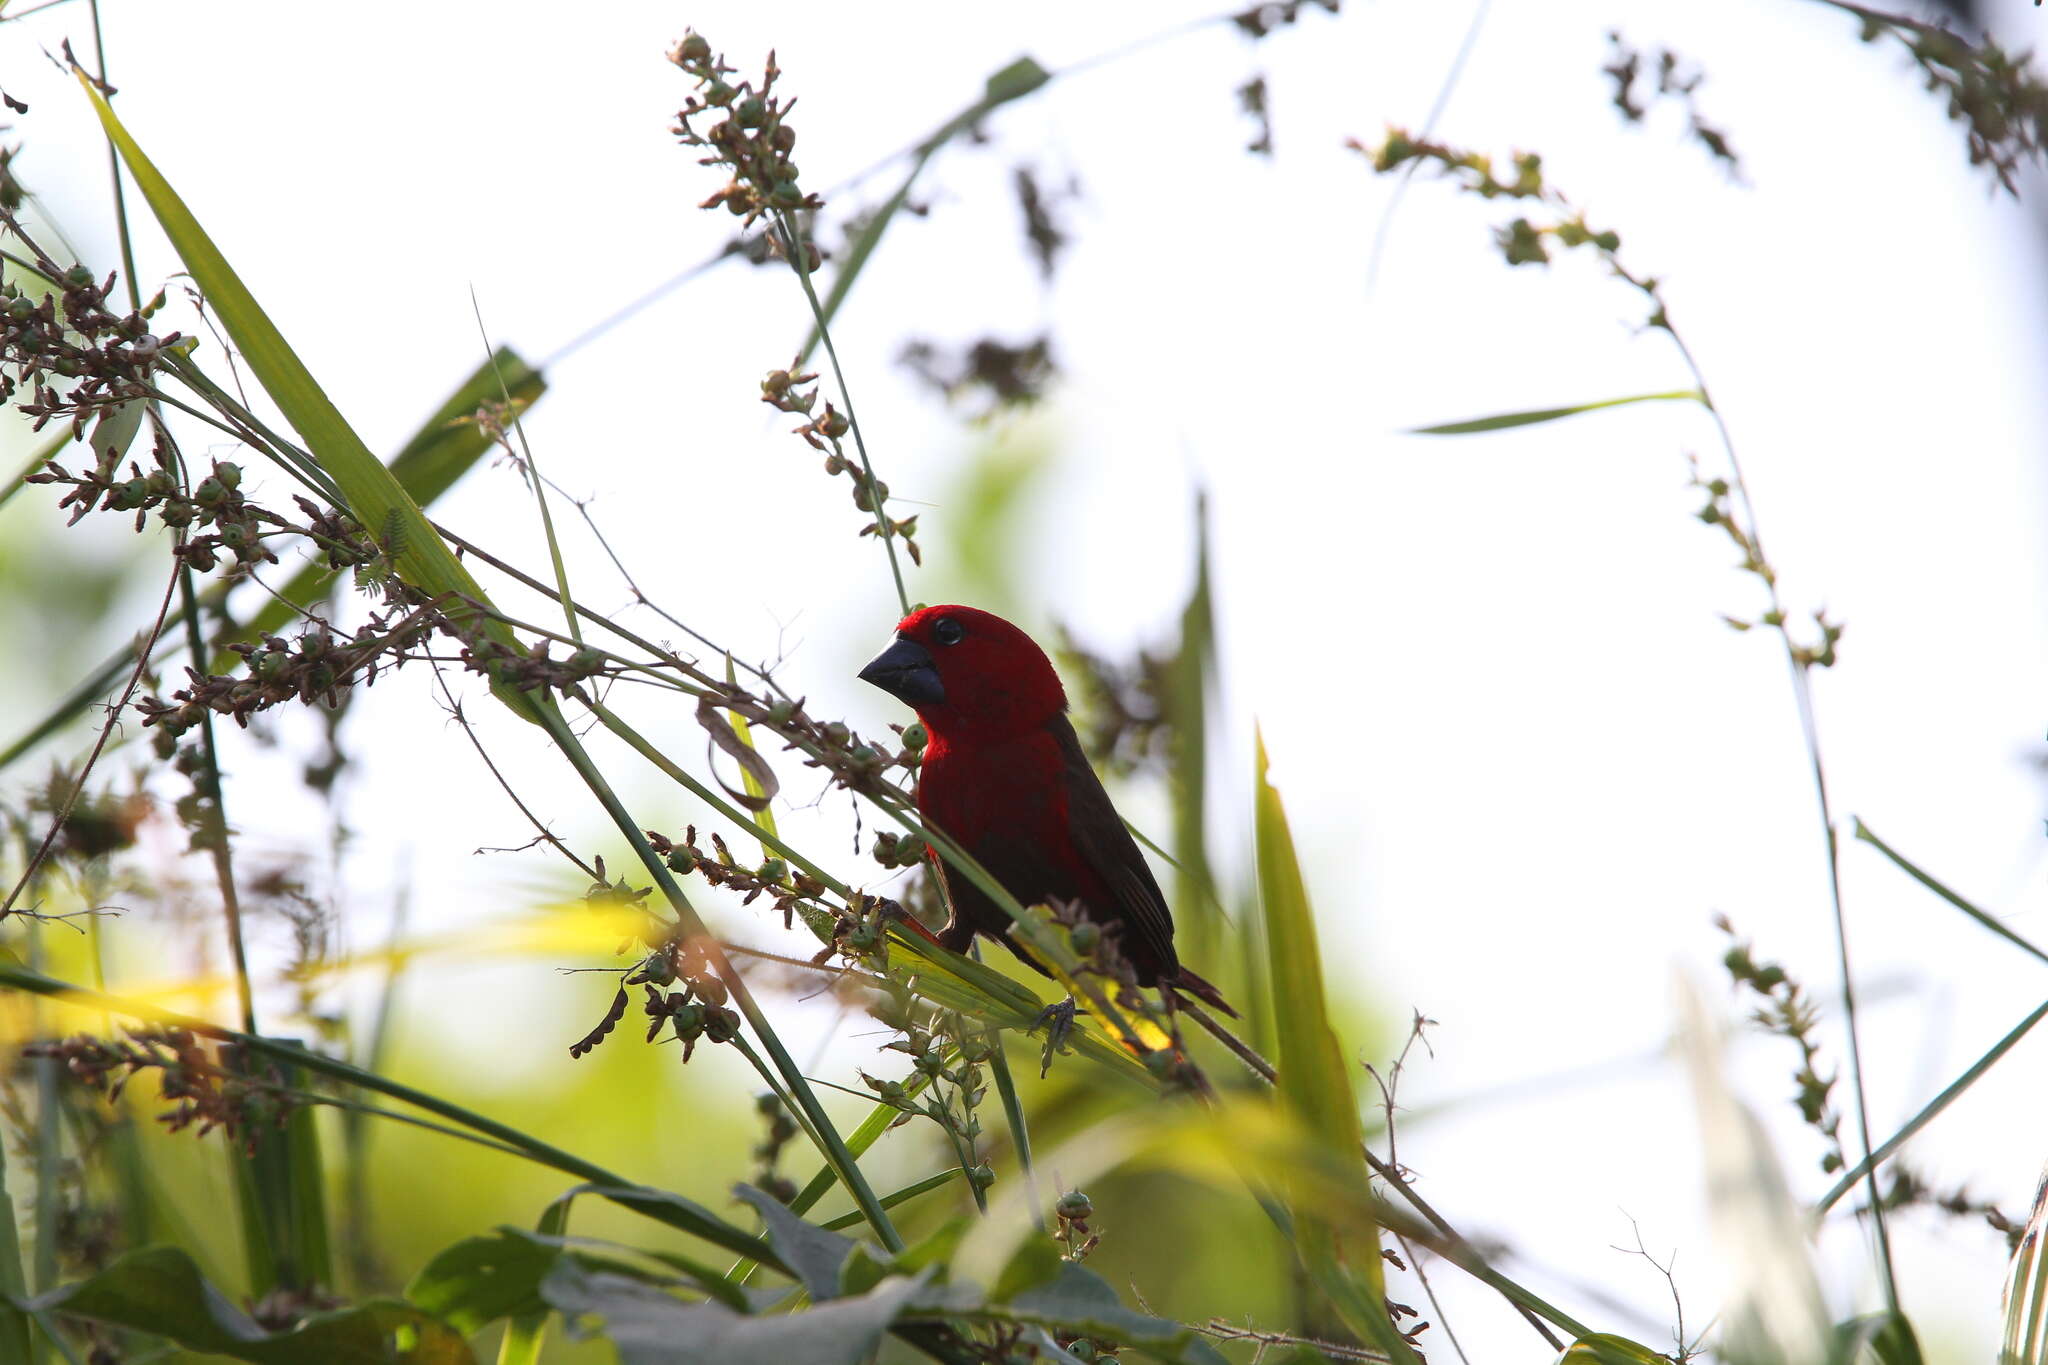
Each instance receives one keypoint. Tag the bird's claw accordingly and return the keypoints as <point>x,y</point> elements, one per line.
<point>1058,1022</point>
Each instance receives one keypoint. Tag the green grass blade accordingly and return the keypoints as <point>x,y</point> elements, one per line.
<point>891,1200</point>
<point>1988,920</point>
<point>1197,912</point>
<point>1933,1107</point>
<point>1502,421</point>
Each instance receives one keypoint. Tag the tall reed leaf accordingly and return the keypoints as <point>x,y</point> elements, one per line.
<point>1315,1085</point>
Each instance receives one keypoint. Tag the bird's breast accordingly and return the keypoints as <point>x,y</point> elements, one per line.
<point>969,790</point>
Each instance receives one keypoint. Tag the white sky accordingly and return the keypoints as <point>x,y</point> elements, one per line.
<point>1525,759</point>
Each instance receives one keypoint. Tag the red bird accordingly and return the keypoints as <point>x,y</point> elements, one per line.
<point>1005,777</point>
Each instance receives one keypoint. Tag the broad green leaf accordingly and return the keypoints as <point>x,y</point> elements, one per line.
<point>650,1327</point>
<point>374,496</point>
<point>2026,1290</point>
<point>1079,1299</point>
<point>481,1279</point>
<point>813,1253</point>
<point>159,1291</point>
<point>1036,1263</point>
<point>1504,420</point>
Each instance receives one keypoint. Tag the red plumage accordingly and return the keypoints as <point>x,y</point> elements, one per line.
<point>1005,777</point>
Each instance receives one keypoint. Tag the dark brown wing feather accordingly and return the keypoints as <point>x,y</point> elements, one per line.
<point>1109,851</point>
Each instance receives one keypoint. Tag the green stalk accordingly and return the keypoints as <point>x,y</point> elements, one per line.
<point>830,1143</point>
<point>885,530</point>
<point>880,1120</point>
<point>1013,1116</point>
<point>890,1201</point>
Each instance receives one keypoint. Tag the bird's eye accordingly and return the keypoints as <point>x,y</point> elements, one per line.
<point>947,631</point>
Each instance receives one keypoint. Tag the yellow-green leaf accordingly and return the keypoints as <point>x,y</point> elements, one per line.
<point>1530,418</point>
<point>1315,1085</point>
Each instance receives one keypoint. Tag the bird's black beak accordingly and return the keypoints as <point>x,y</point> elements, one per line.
<point>906,672</point>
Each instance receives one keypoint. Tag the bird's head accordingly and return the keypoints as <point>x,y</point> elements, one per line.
<point>968,672</point>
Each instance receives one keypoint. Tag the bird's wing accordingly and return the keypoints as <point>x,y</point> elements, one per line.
<point>1107,847</point>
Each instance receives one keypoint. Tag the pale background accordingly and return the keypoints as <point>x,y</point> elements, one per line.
<point>1526,761</point>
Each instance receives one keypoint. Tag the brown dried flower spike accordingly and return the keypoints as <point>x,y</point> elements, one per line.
<point>750,137</point>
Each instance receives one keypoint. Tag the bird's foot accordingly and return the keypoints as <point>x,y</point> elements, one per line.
<point>1058,1022</point>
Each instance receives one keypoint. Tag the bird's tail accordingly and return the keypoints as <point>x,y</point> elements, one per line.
<point>1186,980</point>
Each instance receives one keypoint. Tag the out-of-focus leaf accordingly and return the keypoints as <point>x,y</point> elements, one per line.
<point>1504,420</point>
<point>650,1327</point>
<point>1014,81</point>
<point>14,1330</point>
<point>2026,1290</point>
<point>159,1291</point>
<point>813,1253</point>
<point>1078,1302</point>
<point>1775,1314</point>
<point>1886,1337</point>
<point>986,995</point>
<point>1315,1085</point>
<point>1604,1348</point>
<point>481,1279</point>
<point>1196,908</point>
<point>115,431</point>
<point>1036,1263</point>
